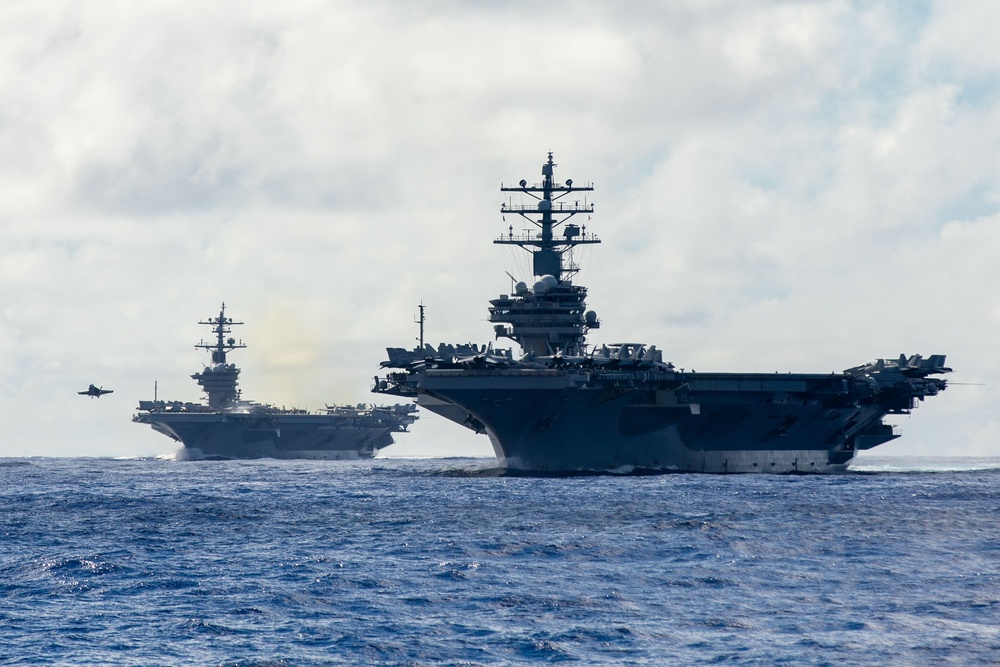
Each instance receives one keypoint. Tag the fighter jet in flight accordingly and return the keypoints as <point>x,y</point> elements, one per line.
<point>96,392</point>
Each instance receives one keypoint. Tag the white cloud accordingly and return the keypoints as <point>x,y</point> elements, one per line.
<point>780,186</point>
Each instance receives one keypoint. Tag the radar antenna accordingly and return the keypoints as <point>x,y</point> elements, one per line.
<point>547,250</point>
<point>219,379</point>
<point>549,317</point>
<point>222,345</point>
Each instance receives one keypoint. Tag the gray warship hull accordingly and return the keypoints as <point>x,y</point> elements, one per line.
<point>292,436</point>
<point>555,421</point>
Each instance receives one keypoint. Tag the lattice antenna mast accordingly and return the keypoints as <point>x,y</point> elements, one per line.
<point>546,247</point>
<point>222,345</point>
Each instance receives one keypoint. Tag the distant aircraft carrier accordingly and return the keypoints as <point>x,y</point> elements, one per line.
<point>229,427</point>
<point>566,406</point>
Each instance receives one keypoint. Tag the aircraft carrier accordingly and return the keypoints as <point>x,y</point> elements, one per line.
<point>562,405</point>
<point>231,428</point>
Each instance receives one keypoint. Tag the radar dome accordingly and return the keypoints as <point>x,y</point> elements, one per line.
<point>538,287</point>
<point>520,288</point>
<point>590,316</point>
<point>544,205</point>
<point>549,281</point>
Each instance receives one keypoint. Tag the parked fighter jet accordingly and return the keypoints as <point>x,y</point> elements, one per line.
<point>96,392</point>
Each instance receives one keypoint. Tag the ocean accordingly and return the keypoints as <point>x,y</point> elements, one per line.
<point>450,562</point>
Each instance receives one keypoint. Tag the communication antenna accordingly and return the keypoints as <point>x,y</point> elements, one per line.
<point>420,321</point>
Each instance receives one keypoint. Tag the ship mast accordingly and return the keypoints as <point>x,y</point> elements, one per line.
<point>549,317</point>
<point>219,379</point>
<point>420,321</point>
<point>547,250</point>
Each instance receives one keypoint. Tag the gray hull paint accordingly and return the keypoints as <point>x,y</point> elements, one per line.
<point>549,422</point>
<point>236,436</point>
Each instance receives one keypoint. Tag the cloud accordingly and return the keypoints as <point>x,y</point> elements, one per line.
<point>780,186</point>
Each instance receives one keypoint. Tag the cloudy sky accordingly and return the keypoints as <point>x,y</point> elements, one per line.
<point>780,186</point>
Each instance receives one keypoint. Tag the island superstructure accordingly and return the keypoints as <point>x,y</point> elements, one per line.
<point>229,427</point>
<point>564,405</point>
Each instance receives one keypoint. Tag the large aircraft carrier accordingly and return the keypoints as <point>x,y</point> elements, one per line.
<point>229,427</point>
<point>562,405</point>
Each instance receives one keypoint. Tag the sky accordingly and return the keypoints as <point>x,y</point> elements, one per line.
<point>779,186</point>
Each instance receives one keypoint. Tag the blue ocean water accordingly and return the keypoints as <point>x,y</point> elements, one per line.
<point>427,562</point>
